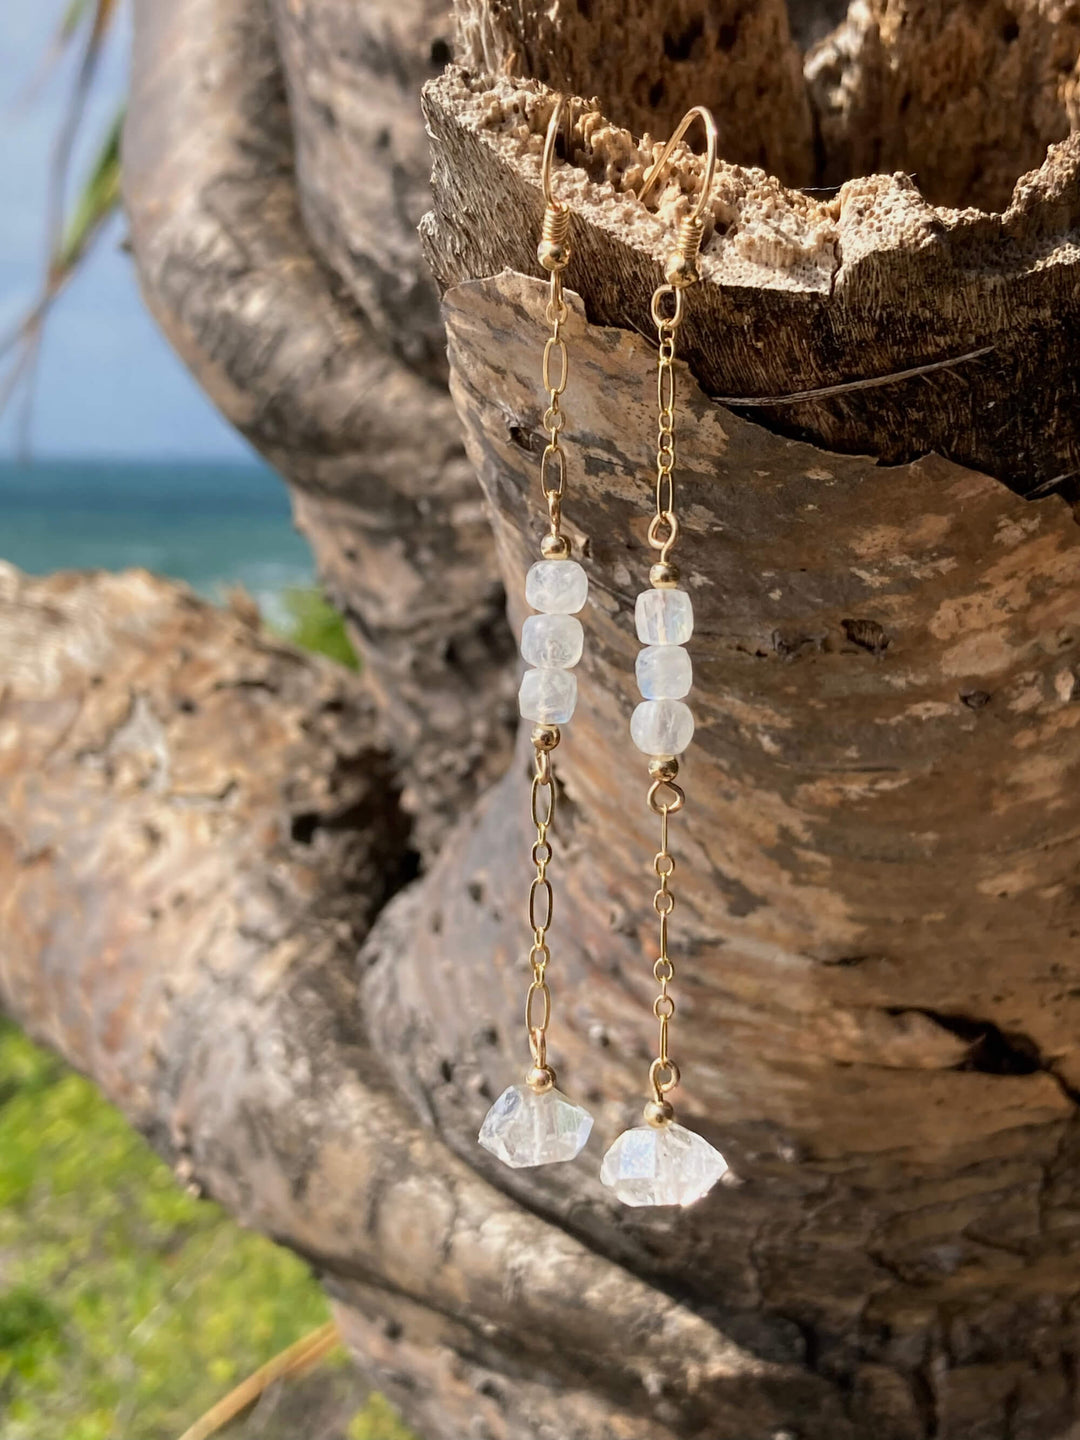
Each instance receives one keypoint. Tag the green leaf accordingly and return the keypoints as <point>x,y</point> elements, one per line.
<point>95,204</point>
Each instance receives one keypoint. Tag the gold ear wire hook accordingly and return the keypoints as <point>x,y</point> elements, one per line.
<point>553,251</point>
<point>562,103</point>
<point>681,268</point>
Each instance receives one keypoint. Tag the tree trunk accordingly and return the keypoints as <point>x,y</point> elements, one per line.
<point>879,989</point>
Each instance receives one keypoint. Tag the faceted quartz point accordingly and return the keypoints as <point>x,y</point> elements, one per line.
<point>525,1127</point>
<point>552,642</point>
<point>662,727</point>
<point>664,672</point>
<point>548,697</point>
<point>662,1165</point>
<point>557,587</point>
<point>663,617</point>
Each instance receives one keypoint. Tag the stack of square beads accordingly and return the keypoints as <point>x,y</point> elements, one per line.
<point>662,725</point>
<point>552,640</point>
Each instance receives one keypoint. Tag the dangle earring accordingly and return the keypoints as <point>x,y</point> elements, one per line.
<point>661,1162</point>
<point>534,1123</point>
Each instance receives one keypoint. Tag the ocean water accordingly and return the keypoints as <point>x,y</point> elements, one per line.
<point>213,525</point>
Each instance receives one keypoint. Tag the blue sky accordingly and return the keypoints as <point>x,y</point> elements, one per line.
<point>108,383</point>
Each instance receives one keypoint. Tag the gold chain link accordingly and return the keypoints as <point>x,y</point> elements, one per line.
<point>541,896</point>
<point>553,461</point>
<point>665,798</point>
<point>664,526</point>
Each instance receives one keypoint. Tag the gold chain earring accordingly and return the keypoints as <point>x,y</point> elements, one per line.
<point>534,1123</point>
<point>661,1162</point>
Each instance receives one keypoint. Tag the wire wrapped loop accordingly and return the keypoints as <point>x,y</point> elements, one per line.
<point>666,798</point>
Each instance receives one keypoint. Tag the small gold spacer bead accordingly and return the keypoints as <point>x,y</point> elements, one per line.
<point>681,270</point>
<point>540,1078</point>
<point>664,767</point>
<point>658,1113</point>
<point>555,547</point>
<point>546,737</point>
<point>553,255</point>
<point>664,575</point>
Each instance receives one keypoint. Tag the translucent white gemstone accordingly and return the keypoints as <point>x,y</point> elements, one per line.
<point>667,1165</point>
<point>556,587</point>
<point>664,672</point>
<point>661,727</point>
<point>524,1128</point>
<point>552,641</point>
<point>548,697</point>
<point>663,617</point>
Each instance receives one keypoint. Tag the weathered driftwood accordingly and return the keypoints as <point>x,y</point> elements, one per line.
<point>350,403</point>
<point>878,975</point>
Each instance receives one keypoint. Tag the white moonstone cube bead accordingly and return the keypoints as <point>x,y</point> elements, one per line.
<point>553,642</point>
<point>663,617</point>
<point>556,587</point>
<point>661,727</point>
<point>548,697</point>
<point>664,672</point>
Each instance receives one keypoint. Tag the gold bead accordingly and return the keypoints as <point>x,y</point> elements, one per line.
<point>555,547</point>
<point>658,1113</point>
<point>664,575</point>
<point>540,1078</point>
<point>664,767</point>
<point>553,255</point>
<point>545,737</point>
<point>681,270</point>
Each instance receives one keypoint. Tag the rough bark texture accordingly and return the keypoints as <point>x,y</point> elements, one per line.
<point>348,402</point>
<point>878,977</point>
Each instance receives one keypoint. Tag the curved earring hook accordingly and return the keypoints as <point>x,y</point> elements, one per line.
<point>562,104</point>
<point>699,112</point>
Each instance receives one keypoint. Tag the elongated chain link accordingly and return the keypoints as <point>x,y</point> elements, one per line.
<point>664,526</point>
<point>541,907</point>
<point>665,798</point>
<point>556,372</point>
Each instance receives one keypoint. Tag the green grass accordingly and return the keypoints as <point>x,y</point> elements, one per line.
<point>314,624</point>
<point>127,1308</point>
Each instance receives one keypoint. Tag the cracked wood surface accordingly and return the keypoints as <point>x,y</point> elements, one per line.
<point>347,402</point>
<point>196,825</point>
<point>877,983</point>
<point>877,974</point>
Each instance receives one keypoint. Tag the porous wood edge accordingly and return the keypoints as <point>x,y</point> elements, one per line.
<point>738,58</point>
<point>798,292</point>
<point>964,96</point>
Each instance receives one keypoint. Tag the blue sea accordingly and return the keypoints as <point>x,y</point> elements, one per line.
<point>213,525</point>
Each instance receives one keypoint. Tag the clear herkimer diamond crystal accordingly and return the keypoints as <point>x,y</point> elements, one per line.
<point>524,1127</point>
<point>661,1165</point>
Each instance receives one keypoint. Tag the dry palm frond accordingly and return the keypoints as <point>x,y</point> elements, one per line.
<point>291,1363</point>
<point>69,237</point>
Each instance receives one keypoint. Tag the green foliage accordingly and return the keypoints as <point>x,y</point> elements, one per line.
<point>94,204</point>
<point>377,1421</point>
<point>315,625</point>
<point>127,1308</point>
<point>70,231</point>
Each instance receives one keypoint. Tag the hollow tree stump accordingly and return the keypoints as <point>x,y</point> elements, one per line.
<point>879,982</point>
